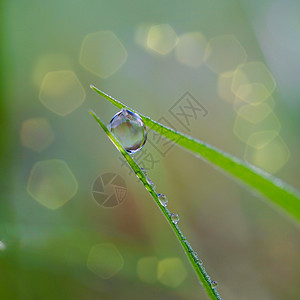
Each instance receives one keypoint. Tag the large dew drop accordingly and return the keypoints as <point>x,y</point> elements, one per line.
<point>129,129</point>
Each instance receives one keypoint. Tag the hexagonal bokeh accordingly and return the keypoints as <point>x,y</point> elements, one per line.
<point>105,260</point>
<point>147,269</point>
<point>61,92</point>
<point>190,49</point>
<point>272,157</point>
<point>171,272</point>
<point>49,62</point>
<point>243,129</point>
<point>253,82</point>
<point>52,183</point>
<point>36,134</point>
<point>102,53</point>
<point>224,53</point>
<point>254,113</point>
<point>161,38</point>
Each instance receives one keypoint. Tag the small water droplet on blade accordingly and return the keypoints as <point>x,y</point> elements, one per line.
<point>175,218</point>
<point>144,171</point>
<point>214,283</point>
<point>129,129</point>
<point>163,199</point>
<point>151,182</point>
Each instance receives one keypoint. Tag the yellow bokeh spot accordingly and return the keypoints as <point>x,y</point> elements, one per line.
<point>252,93</point>
<point>190,49</point>
<point>161,38</point>
<point>52,183</point>
<point>238,103</point>
<point>36,134</point>
<point>253,82</point>
<point>224,87</point>
<point>271,158</point>
<point>224,54</point>
<point>254,113</point>
<point>171,272</point>
<point>243,129</point>
<point>147,269</point>
<point>105,260</point>
<point>102,53</point>
<point>141,34</point>
<point>259,140</point>
<point>47,63</point>
<point>61,92</point>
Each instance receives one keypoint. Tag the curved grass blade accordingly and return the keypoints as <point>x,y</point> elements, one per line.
<point>191,254</point>
<point>285,197</point>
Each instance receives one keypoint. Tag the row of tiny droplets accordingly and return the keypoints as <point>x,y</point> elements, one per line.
<point>175,218</point>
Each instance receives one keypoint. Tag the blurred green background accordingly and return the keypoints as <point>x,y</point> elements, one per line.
<point>238,59</point>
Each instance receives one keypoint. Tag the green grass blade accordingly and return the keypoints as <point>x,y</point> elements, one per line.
<point>192,256</point>
<point>285,197</point>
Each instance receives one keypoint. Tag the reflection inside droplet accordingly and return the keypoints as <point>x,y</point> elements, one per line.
<point>175,218</point>
<point>163,199</point>
<point>129,129</point>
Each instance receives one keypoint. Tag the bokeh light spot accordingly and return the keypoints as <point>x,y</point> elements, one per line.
<point>271,157</point>
<point>105,260</point>
<point>147,269</point>
<point>259,140</point>
<point>243,129</point>
<point>161,38</point>
<point>238,103</point>
<point>224,87</point>
<point>52,183</point>
<point>141,34</point>
<point>254,113</point>
<point>61,92</point>
<point>36,134</point>
<point>102,53</point>
<point>171,272</point>
<point>252,93</point>
<point>190,49</point>
<point>253,82</point>
<point>224,53</point>
<point>47,63</point>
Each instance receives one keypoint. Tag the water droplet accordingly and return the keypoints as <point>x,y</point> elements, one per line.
<point>188,244</point>
<point>151,182</point>
<point>200,261</point>
<point>175,218</point>
<point>129,129</point>
<point>214,283</point>
<point>163,199</point>
<point>144,171</point>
